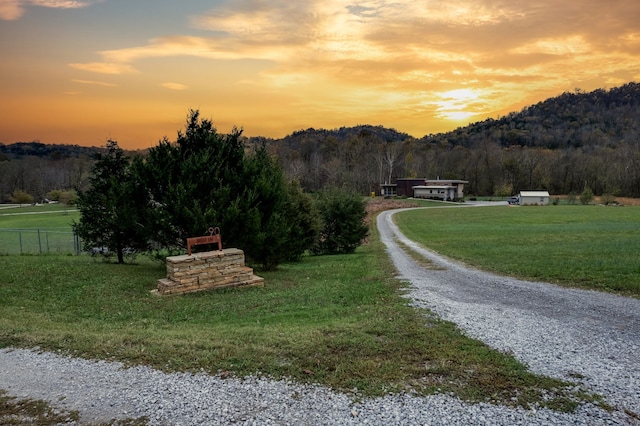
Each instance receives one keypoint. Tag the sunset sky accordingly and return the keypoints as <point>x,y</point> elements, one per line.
<point>81,72</point>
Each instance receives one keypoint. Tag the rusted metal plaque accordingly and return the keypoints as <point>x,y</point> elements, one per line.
<point>212,238</point>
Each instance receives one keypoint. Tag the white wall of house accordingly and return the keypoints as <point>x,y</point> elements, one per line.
<point>446,193</point>
<point>534,198</point>
<point>457,183</point>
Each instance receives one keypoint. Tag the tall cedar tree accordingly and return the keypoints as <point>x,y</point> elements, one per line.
<point>110,209</point>
<point>205,179</point>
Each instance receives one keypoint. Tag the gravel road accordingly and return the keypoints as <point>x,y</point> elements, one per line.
<point>559,332</point>
<point>589,338</point>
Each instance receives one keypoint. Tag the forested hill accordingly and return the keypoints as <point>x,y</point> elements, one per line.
<point>563,144</point>
<point>578,119</point>
<point>54,151</point>
<point>301,139</point>
<point>345,133</point>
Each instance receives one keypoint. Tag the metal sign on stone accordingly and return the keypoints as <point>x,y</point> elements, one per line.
<point>207,270</point>
<point>212,238</point>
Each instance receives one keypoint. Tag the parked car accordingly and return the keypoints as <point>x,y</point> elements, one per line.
<point>514,200</point>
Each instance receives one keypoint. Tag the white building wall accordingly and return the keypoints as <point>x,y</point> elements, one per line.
<point>534,198</point>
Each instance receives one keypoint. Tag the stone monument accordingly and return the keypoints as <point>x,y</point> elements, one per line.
<point>207,270</point>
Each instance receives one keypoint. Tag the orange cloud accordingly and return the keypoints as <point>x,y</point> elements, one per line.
<point>174,86</point>
<point>13,9</point>
<point>105,68</point>
<point>10,10</point>
<point>417,66</point>
<point>96,83</point>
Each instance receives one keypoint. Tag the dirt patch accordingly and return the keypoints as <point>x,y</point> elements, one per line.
<point>379,204</point>
<point>625,201</point>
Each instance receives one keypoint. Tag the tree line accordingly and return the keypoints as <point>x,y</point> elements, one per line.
<point>564,144</point>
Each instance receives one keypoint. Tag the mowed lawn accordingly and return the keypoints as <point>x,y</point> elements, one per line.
<point>50,217</point>
<point>592,247</point>
<point>37,229</point>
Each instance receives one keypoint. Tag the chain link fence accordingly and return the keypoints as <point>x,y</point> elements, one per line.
<point>38,241</point>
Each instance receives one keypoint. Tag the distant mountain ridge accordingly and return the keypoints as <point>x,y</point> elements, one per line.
<point>564,144</point>
<point>344,133</point>
<point>53,151</point>
<point>601,117</point>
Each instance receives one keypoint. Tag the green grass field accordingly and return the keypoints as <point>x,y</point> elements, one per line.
<point>50,216</point>
<point>593,247</point>
<point>37,229</point>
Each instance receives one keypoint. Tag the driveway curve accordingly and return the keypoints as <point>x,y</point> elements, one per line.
<point>588,337</point>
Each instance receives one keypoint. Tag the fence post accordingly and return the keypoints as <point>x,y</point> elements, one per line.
<point>39,242</point>
<point>76,242</point>
<point>20,238</point>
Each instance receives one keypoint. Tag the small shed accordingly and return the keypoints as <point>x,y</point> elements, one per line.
<point>534,198</point>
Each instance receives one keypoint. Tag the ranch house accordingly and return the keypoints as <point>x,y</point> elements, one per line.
<point>439,189</point>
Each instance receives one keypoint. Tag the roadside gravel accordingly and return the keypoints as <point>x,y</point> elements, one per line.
<point>589,338</point>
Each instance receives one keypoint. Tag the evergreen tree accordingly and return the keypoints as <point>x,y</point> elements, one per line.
<point>206,179</point>
<point>191,183</point>
<point>343,227</point>
<point>304,222</point>
<point>110,209</point>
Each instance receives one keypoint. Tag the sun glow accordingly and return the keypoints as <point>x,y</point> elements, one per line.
<point>457,104</point>
<point>274,67</point>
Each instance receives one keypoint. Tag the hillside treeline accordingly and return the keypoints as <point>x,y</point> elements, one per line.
<point>37,169</point>
<point>563,144</point>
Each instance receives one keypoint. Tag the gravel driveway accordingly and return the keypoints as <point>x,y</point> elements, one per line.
<point>559,332</point>
<point>586,337</point>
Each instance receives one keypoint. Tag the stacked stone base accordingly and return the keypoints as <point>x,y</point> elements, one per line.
<point>207,271</point>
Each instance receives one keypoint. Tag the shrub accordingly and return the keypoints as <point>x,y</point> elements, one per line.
<point>68,198</point>
<point>21,197</point>
<point>607,199</point>
<point>586,197</point>
<point>343,227</point>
